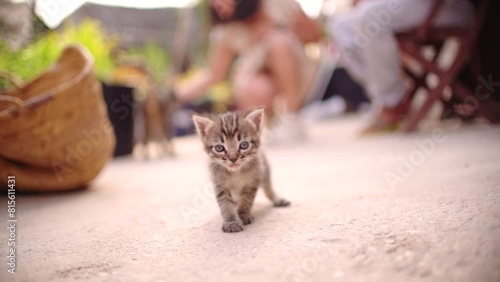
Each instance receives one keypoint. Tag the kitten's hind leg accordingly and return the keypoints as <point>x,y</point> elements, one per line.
<point>268,187</point>
<point>271,195</point>
<point>246,201</point>
<point>227,207</point>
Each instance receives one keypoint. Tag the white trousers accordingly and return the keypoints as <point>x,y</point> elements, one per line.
<point>369,48</point>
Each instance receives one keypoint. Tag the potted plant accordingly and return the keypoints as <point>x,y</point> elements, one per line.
<point>32,60</point>
<point>119,98</point>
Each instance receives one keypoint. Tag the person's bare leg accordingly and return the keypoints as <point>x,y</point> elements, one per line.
<point>258,92</point>
<point>283,63</point>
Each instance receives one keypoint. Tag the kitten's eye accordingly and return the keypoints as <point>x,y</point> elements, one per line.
<point>219,148</point>
<point>244,145</point>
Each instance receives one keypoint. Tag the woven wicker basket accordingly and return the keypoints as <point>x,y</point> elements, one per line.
<point>54,131</point>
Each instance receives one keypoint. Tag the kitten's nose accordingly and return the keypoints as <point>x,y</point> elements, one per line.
<point>233,160</point>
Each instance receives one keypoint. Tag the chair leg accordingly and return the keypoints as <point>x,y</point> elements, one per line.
<point>434,94</point>
<point>446,79</point>
<point>417,83</point>
<point>420,80</point>
<point>483,107</point>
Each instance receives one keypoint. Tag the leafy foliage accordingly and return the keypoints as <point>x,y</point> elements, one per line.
<point>31,61</point>
<point>92,35</point>
<point>156,58</point>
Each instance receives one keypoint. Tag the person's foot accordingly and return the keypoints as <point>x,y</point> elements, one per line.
<point>388,119</point>
<point>289,129</point>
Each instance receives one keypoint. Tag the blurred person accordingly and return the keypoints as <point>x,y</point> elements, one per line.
<point>366,35</point>
<point>265,39</point>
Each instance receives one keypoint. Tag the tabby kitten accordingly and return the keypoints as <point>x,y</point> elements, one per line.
<point>237,165</point>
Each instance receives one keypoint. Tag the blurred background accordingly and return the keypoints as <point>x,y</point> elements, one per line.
<point>100,95</point>
<point>143,50</point>
<point>137,47</point>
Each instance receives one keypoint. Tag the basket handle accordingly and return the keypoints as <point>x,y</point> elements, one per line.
<point>11,78</point>
<point>17,83</point>
<point>9,99</point>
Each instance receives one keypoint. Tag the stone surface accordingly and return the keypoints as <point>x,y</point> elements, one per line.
<point>382,208</point>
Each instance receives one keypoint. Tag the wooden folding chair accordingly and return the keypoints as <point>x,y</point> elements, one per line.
<point>413,42</point>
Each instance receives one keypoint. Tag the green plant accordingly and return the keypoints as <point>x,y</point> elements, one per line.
<point>92,35</point>
<point>31,61</point>
<point>156,58</point>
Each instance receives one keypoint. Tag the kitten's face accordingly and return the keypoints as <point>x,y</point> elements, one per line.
<point>232,139</point>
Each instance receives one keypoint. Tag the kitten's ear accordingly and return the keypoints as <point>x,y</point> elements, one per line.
<point>202,125</point>
<point>256,118</point>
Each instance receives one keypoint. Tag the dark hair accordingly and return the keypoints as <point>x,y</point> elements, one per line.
<point>244,9</point>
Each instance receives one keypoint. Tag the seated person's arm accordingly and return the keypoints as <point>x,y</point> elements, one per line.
<point>220,59</point>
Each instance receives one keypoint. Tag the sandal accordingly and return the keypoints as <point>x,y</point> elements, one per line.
<point>389,119</point>
<point>381,126</point>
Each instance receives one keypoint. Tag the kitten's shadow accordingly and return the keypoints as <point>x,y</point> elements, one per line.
<point>262,210</point>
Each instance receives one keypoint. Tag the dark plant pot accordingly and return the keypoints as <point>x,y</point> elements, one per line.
<point>182,120</point>
<point>120,102</point>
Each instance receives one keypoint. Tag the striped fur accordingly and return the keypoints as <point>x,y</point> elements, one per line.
<point>237,165</point>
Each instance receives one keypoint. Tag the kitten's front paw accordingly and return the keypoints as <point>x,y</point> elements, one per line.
<point>233,226</point>
<point>247,218</point>
<point>281,203</point>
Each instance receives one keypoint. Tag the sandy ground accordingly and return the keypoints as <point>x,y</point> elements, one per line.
<point>385,208</point>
